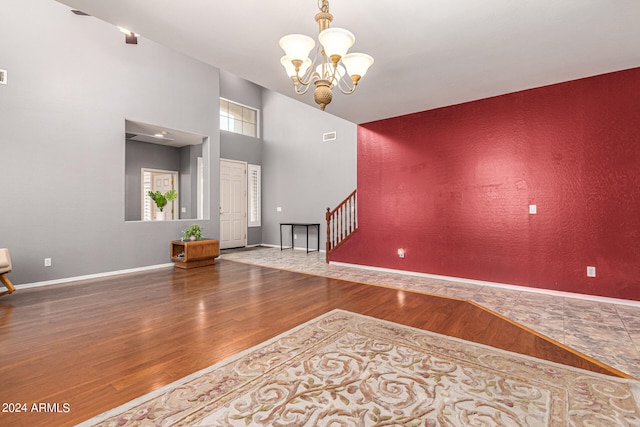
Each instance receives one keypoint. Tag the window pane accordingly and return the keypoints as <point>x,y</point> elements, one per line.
<point>235,125</point>
<point>235,111</point>
<point>248,129</point>
<point>238,118</point>
<point>249,115</point>
<point>224,115</point>
<point>224,107</point>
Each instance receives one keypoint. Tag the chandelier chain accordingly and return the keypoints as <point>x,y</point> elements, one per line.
<point>323,5</point>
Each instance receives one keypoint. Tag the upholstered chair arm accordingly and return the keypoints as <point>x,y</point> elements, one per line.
<point>5,260</point>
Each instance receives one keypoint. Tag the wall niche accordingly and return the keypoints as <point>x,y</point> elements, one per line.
<point>159,148</point>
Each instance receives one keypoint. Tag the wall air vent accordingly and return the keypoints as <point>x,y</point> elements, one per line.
<point>329,136</point>
<point>3,77</point>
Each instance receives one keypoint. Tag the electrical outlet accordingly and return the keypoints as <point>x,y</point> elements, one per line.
<point>533,209</point>
<point>47,262</point>
<point>591,271</point>
<point>279,209</point>
<point>295,236</point>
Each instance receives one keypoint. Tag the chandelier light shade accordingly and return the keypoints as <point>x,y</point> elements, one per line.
<point>291,69</point>
<point>297,46</point>
<point>336,42</point>
<point>331,66</point>
<point>357,64</point>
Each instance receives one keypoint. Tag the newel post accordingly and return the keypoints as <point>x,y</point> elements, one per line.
<point>328,244</point>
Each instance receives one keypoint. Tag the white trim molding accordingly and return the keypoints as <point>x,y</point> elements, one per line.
<point>495,285</point>
<point>92,276</point>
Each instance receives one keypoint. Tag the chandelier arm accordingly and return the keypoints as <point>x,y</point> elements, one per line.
<point>310,79</point>
<point>347,92</point>
<point>310,75</point>
<point>300,89</point>
<point>333,69</point>
<point>345,87</point>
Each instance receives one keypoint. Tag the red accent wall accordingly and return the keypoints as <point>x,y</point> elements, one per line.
<point>452,186</point>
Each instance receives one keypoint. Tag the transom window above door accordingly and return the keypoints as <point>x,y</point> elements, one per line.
<point>238,118</point>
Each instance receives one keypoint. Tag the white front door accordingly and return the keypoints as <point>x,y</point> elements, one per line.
<point>233,204</point>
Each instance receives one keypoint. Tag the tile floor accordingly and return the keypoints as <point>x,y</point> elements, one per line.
<point>604,331</point>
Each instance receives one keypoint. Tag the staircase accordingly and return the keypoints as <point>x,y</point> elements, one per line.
<point>342,222</point>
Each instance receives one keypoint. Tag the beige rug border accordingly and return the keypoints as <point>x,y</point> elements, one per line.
<point>155,393</point>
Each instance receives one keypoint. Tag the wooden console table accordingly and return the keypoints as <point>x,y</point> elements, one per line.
<point>197,253</point>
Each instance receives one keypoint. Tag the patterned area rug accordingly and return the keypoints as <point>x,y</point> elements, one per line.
<point>344,369</point>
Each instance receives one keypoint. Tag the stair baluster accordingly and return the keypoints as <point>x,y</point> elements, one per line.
<point>342,222</point>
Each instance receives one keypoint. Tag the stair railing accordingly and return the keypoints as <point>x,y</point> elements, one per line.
<point>342,222</point>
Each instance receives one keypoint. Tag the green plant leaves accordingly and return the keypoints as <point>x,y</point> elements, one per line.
<point>171,195</point>
<point>193,230</point>
<point>160,199</point>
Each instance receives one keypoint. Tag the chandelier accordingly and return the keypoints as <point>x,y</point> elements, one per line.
<point>332,65</point>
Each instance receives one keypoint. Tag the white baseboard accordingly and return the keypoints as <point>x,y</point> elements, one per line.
<point>362,267</point>
<point>92,276</point>
<point>552,292</point>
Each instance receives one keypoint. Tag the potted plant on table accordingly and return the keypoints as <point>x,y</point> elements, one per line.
<point>194,232</point>
<point>161,200</point>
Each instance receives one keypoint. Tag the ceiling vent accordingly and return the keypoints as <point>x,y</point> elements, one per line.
<point>3,77</point>
<point>329,136</point>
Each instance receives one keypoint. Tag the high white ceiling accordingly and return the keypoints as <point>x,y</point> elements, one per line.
<point>428,53</point>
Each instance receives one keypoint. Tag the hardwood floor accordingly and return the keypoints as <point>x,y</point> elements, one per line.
<point>100,343</point>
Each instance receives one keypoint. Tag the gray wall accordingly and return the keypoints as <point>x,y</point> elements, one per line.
<point>240,147</point>
<point>300,173</point>
<point>72,81</point>
<point>189,180</point>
